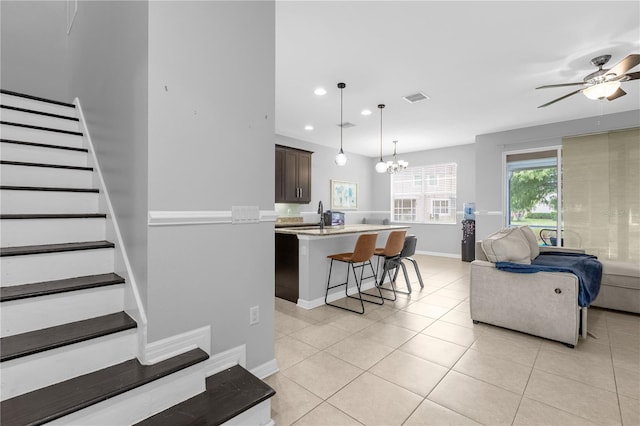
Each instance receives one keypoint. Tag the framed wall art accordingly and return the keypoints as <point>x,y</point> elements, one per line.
<point>344,195</point>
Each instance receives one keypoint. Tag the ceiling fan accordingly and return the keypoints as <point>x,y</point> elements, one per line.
<point>603,83</point>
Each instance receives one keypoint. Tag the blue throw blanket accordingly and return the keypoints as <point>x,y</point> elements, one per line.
<point>586,267</point>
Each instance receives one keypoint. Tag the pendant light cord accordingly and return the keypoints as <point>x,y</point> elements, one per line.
<point>341,125</point>
<point>381,106</point>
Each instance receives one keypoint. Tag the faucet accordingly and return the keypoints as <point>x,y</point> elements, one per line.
<point>320,212</point>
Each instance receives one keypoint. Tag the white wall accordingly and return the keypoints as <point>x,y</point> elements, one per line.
<point>211,132</point>
<point>489,149</point>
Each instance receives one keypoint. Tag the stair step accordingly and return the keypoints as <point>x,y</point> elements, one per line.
<point>18,216</point>
<point>54,248</point>
<point>43,145</point>
<point>32,111</point>
<point>45,288</point>
<point>35,98</point>
<point>53,166</point>
<point>46,188</point>
<point>45,129</point>
<point>54,337</point>
<point>55,401</point>
<point>229,393</point>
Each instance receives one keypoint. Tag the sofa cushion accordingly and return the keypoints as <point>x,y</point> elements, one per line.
<point>507,245</point>
<point>532,240</point>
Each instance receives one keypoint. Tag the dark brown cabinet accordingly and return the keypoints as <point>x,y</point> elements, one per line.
<point>293,175</point>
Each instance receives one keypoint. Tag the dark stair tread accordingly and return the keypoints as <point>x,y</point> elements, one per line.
<point>229,393</point>
<point>46,114</point>
<point>52,402</point>
<point>44,145</point>
<point>54,248</point>
<point>10,216</point>
<point>46,129</point>
<point>45,288</point>
<point>53,166</point>
<point>47,188</point>
<point>36,98</point>
<point>19,345</point>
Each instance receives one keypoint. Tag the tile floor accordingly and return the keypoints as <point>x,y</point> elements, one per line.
<point>421,361</point>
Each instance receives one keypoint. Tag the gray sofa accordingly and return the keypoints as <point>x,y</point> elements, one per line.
<point>544,304</point>
<point>620,288</point>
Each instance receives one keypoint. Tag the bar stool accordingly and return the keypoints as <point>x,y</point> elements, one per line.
<point>386,255</point>
<point>408,250</point>
<point>359,258</point>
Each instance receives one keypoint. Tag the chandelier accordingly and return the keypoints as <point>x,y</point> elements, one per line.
<point>396,165</point>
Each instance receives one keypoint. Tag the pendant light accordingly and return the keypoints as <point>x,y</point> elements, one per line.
<point>341,159</point>
<point>381,166</point>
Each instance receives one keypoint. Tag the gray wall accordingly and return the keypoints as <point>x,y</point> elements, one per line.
<point>489,149</point>
<point>435,238</point>
<point>103,62</point>
<point>324,168</point>
<point>211,132</point>
<point>33,47</point>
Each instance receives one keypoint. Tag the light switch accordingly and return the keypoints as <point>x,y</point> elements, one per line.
<point>245,214</point>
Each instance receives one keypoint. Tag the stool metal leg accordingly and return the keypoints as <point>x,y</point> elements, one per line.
<point>352,267</point>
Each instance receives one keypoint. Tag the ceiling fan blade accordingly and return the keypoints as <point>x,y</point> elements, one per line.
<point>617,94</point>
<point>625,65</point>
<point>632,76</point>
<point>561,85</point>
<point>560,98</point>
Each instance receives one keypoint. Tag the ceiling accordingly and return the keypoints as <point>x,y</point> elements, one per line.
<point>479,62</point>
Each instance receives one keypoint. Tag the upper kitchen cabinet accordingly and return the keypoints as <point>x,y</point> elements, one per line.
<point>293,175</point>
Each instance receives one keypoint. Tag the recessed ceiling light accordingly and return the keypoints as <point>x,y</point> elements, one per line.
<point>366,112</point>
<point>320,91</point>
<point>308,127</point>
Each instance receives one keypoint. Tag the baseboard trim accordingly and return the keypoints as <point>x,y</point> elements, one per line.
<point>266,369</point>
<point>223,360</point>
<point>439,254</point>
<point>171,346</point>
<point>310,304</point>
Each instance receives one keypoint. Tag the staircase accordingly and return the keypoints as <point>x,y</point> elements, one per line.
<point>68,351</point>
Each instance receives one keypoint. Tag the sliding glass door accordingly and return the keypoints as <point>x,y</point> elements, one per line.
<point>533,193</point>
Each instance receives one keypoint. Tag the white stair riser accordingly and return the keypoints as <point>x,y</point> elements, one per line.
<point>27,232</point>
<point>35,371</point>
<point>34,313</point>
<point>20,102</point>
<point>45,176</point>
<point>140,403</point>
<point>38,120</point>
<point>12,201</point>
<point>35,154</point>
<point>40,136</point>
<point>54,266</point>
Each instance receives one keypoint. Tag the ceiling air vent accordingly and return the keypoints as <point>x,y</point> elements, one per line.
<point>416,97</point>
<point>346,125</point>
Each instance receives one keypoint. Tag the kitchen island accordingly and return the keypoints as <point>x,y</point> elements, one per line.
<point>301,264</point>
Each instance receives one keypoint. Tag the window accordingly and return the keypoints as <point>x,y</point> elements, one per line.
<point>425,194</point>
<point>404,210</point>
<point>533,192</point>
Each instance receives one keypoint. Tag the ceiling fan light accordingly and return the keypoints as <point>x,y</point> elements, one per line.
<point>601,90</point>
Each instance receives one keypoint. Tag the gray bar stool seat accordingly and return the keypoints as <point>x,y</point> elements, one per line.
<point>408,250</point>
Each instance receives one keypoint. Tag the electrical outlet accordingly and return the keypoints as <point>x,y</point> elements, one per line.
<point>254,315</point>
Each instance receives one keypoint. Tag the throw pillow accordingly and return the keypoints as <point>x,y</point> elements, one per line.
<point>532,240</point>
<point>507,245</point>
